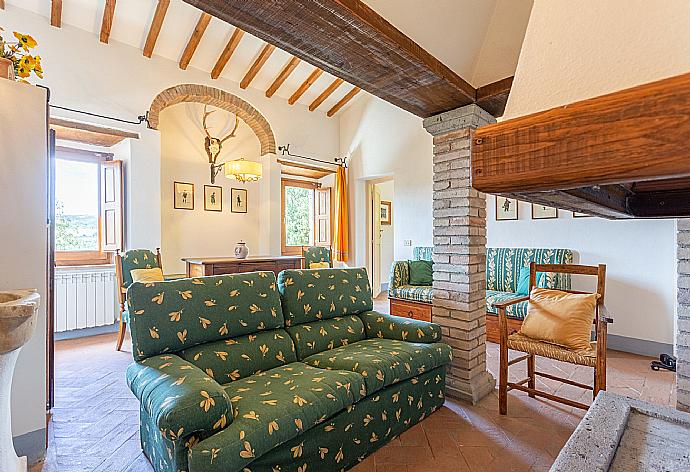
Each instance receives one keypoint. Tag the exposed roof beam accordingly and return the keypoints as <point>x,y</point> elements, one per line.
<point>107,23</point>
<point>227,53</point>
<point>316,73</point>
<point>350,95</point>
<point>493,97</point>
<point>284,74</point>
<point>350,40</point>
<point>2,4</point>
<point>194,40</point>
<point>258,64</point>
<point>156,25</point>
<point>56,13</point>
<point>325,94</point>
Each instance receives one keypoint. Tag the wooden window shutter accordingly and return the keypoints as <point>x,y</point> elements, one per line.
<point>322,217</point>
<point>112,206</point>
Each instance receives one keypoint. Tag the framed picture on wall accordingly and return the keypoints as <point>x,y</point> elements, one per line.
<point>543,212</point>
<point>239,200</point>
<point>386,209</point>
<point>183,196</point>
<point>506,209</point>
<point>213,198</point>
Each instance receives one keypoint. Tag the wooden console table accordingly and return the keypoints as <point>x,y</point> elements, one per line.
<point>199,267</point>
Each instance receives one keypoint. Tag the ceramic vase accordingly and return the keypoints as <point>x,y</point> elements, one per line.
<point>6,68</point>
<point>241,250</point>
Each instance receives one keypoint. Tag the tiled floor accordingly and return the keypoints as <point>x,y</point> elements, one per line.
<point>95,422</point>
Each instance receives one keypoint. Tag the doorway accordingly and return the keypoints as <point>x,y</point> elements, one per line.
<point>381,233</point>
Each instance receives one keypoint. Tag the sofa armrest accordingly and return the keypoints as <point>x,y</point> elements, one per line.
<point>512,301</point>
<point>179,397</point>
<point>400,275</point>
<point>379,325</point>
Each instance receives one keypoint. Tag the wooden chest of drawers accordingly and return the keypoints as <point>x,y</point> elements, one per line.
<point>231,265</point>
<point>410,309</point>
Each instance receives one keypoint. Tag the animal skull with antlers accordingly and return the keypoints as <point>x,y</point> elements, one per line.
<point>213,145</point>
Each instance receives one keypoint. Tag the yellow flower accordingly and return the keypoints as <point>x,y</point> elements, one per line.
<point>28,61</point>
<point>26,41</point>
<point>38,69</point>
<point>23,72</point>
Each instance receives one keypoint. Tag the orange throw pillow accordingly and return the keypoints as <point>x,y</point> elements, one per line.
<point>560,318</point>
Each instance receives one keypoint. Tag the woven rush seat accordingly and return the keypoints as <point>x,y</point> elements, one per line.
<point>586,357</point>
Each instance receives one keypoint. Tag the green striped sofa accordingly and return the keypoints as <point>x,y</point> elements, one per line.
<point>502,273</point>
<point>251,373</point>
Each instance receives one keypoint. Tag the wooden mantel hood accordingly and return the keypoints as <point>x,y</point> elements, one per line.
<point>621,155</point>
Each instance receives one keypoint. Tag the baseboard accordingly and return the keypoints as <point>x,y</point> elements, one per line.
<point>384,287</point>
<point>642,347</point>
<point>32,445</point>
<point>82,333</point>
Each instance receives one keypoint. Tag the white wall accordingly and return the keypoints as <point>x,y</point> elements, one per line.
<point>23,235</point>
<point>384,141</point>
<point>575,50</point>
<point>387,191</point>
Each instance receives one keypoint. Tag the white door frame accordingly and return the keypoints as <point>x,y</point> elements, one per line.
<point>373,278</point>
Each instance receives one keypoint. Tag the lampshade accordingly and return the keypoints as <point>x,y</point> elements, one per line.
<point>243,171</point>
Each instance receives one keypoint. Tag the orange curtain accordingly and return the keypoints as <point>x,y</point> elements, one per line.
<point>342,228</point>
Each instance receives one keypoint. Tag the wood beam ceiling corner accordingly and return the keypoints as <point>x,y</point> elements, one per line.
<point>265,53</point>
<point>194,40</point>
<point>343,101</point>
<point>315,74</point>
<point>107,23</point>
<point>227,53</point>
<point>56,13</point>
<point>156,25</point>
<point>325,94</point>
<point>284,74</point>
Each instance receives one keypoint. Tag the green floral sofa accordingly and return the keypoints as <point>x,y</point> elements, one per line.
<point>399,285</point>
<point>248,373</point>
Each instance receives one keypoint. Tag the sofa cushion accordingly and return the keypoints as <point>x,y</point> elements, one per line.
<point>321,294</point>
<point>423,253</point>
<point>517,311</point>
<point>421,273</point>
<point>383,362</point>
<point>240,357</point>
<point>175,315</point>
<point>312,338</point>
<point>503,266</point>
<point>412,292</point>
<point>275,406</point>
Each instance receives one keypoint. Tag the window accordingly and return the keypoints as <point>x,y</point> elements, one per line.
<point>87,207</point>
<point>306,216</point>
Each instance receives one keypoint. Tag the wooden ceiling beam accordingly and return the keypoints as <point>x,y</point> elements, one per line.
<point>315,74</point>
<point>325,94</point>
<point>343,101</point>
<point>156,25</point>
<point>227,53</point>
<point>350,40</point>
<point>107,23</point>
<point>2,4</point>
<point>56,13</point>
<point>265,53</point>
<point>284,74</point>
<point>194,40</point>
<point>493,97</point>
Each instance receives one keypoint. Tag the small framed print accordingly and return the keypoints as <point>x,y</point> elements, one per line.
<point>543,212</point>
<point>577,214</point>
<point>184,196</point>
<point>213,198</point>
<point>386,216</point>
<point>239,200</point>
<point>506,209</point>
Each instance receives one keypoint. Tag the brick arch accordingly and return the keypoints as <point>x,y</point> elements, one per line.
<point>218,98</point>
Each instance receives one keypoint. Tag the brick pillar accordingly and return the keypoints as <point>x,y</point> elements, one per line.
<point>460,252</point>
<point>683,315</point>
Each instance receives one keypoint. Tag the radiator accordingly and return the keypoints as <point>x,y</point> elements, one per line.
<point>84,297</point>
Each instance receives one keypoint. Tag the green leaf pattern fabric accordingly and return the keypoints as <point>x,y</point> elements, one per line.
<point>517,311</point>
<point>503,266</point>
<point>413,292</point>
<point>423,253</point>
<point>312,338</point>
<point>321,294</point>
<point>379,325</point>
<point>136,259</point>
<point>274,407</point>
<point>237,358</point>
<point>400,276</point>
<point>316,254</point>
<point>175,315</point>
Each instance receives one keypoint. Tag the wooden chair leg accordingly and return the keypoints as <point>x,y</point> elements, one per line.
<point>530,373</point>
<point>503,368</point>
<point>121,334</point>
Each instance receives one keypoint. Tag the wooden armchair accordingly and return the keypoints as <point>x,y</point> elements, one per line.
<point>124,264</point>
<point>314,254</point>
<point>594,357</point>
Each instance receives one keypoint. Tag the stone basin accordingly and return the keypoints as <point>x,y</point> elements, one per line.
<point>18,310</point>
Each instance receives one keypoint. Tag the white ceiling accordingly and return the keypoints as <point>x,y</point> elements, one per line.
<point>452,30</point>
